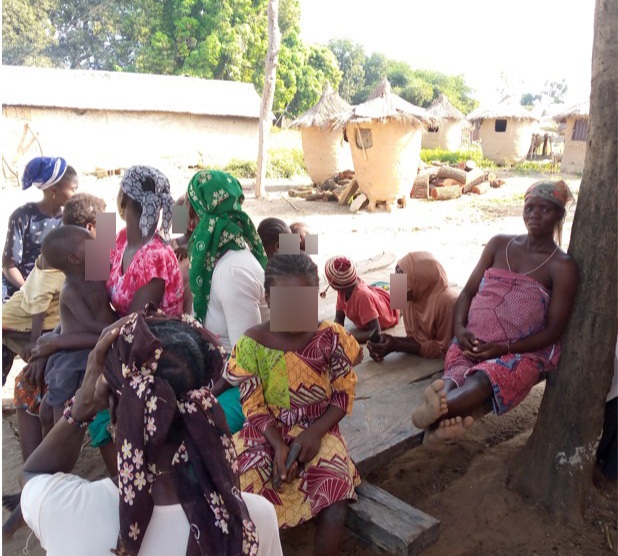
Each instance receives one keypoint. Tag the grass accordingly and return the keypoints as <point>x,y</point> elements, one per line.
<point>454,157</point>
<point>282,162</point>
<point>533,166</point>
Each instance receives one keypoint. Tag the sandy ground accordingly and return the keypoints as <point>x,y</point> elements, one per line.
<point>462,485</point>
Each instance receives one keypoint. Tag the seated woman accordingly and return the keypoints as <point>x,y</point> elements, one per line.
<point>295,388</point>
<point>428,316</point>
<point>269,230</point>
<point>177,489</point>
<point>226,271</point>
<point>508,320</point>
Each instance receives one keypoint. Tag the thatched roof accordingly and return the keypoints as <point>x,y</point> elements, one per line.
<point>442,109</point>
<point>324,113</point>
<point>131,92</point>
<point>581,110</point>
<point>384,105</point>
<point>508,108</point>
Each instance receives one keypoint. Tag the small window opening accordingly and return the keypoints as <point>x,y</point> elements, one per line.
<point>580,130</point>
<point>500,126</point>
<point>432,129</point>
<point>363,138</point>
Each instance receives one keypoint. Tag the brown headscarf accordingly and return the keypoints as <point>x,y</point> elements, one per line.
<point>203,470</point>
<point>428,317</point>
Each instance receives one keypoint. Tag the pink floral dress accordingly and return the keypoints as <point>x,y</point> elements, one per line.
<point>155,259</point>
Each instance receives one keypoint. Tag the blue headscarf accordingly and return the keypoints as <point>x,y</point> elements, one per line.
<point>43,172</point>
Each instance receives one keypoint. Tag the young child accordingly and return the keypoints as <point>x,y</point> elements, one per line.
<point>35,308</point>
<point>301,229</point>
<point>84,308</point>
<point>368,307</point>
<point>29,223</point>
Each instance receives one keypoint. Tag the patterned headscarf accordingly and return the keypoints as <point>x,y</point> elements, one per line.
<point>133,186</point>
<point>217,197</point>
<point>43,172</point>
<point>219,519</point>
<point>557,192</point>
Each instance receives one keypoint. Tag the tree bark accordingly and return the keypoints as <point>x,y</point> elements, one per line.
<point>453,173</point>
<point>446,192</point>
<point>268,94</point>
<point>555,466</point>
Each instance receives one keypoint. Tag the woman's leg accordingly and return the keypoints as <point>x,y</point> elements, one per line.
<point>470,398</point>
<point>329,529</point>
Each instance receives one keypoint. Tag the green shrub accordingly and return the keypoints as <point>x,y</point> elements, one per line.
<point>454,157</point>
<point>532,166</point>
<point>282,163</point>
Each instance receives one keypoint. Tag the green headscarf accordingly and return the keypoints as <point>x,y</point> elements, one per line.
<point>216,197</point>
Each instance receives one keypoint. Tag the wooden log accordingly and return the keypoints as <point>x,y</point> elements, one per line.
<point>470,165</point>
<point>331,196</point>
<point>480,188</point>
<point>420,188</point>
<point>444,193</point>
<point>389,524</point>
<point>496,183</point>
<point>300,193</point>
<point>454,173</point>
<point>315,197</point>
<point>474,177</point>
<point>358,203</point>
<point>491,177</point>
<point>461,165</point>
<point>431,171</point>
<point>348,192</point>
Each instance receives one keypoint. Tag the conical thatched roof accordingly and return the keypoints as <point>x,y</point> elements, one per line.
<point>507,108</point>
<point>324,112</point>
<point>580,110</point>
<point>384,105</point>
<point>442,109</point>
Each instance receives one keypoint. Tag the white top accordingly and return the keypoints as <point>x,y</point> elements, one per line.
<point>73,517</point>
<point>236,297</point>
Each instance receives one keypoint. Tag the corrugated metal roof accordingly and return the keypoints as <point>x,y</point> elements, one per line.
<point>120,91</point>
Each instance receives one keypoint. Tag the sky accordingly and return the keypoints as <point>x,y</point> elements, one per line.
<point>528,42</point>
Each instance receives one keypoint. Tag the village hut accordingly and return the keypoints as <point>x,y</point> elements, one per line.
<point>117,119</point>
<point>325,151</point>
<point>385,136</point>
<point>575,137</point>
<point>448,130</point>
<point>505,131</point>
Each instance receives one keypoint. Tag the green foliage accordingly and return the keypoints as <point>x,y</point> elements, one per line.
<point>282,163</point>
<point>26,32</point>
<point>454,157</point>
<point>533,166</point>
<point>351,58</point>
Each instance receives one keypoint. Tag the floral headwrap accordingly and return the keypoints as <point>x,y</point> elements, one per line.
<point>218,517</point>
<point>216,197</point>
<point>557,192</point>
<point>132,185</point>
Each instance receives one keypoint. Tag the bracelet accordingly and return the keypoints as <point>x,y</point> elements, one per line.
<point>508,349</point>
<point>69,418</point>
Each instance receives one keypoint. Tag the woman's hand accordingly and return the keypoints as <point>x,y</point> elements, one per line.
<point>483,352</point>
<point>466,339</point>
<point>378,351</point>
<point>310,440</point>
<point>280,474</point>
<point>89,399</point>
<point>181,253</point>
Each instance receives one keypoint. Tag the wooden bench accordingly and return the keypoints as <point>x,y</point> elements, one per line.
<point>385,522</point>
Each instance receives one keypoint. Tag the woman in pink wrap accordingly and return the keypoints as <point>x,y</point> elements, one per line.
<point>508,320</point>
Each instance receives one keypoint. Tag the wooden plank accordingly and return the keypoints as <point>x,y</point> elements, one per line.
<point>348,192</point>
<point>380,519</point>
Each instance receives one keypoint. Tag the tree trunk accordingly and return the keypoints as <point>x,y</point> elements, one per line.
<point>453,173</point>
<point>268,94</point>
<point>555,466</point>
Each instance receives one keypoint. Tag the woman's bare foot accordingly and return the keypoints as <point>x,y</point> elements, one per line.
<point>13,523</point>
<point>448,429</point>
<point>433,408</point>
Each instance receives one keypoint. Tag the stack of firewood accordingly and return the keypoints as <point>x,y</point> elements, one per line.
<point>341,188</point>
<point>440,181</point>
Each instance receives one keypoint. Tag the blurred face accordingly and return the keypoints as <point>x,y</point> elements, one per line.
<point>64,191</point>
<point>290,282</point>
<point>541,216</point>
